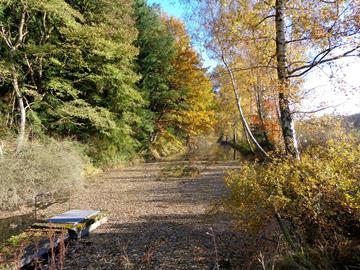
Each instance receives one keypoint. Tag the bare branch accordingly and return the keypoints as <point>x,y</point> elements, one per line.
<point>31,71</point>
<point>318,110</point>
<point>217,74</point>
<point>22,33</point>
<point>321,59</point>
<point>28,104</point>
<point>5,37</point>
<point>264,19</point>
<point>298,40</point>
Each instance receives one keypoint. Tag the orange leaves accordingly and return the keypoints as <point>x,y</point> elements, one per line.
<point>198,116</point>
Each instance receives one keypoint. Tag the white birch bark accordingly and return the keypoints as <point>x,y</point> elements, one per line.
<point>241,112</point>
<point>287,123</point>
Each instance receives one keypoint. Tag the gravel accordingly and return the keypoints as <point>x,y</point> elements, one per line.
<point>160,222</point>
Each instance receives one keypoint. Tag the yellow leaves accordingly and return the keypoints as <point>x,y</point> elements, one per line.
<point>198,117</point>
<point>198,122</point>
<point>312,192</point>
<point>191,112</point>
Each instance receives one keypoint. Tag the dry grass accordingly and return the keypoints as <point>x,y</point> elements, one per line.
<point>181,170</point>
<point>39,168</point>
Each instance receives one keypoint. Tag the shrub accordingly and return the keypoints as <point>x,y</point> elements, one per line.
<point>167,145</point>
<point>319,196</point>
<point>55,167</point>
<point>319,130</point>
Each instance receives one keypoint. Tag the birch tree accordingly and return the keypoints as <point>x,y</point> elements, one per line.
<point>18,20</point>
<point>294,37</point>
<point>70,66</point>
<point>13,37</point>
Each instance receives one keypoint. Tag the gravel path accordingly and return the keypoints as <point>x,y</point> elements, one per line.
<point>159,222</point>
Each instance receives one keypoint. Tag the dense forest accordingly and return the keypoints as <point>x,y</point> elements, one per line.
<point>87,84</point>
<point>118,77</point>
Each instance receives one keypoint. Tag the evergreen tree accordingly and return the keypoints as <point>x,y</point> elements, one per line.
<point>178,93</point>
<point>157,51</point>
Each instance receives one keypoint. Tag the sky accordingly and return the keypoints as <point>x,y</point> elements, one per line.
<point>174,8</point>
<point>338,89</point>
<point>171,7</point>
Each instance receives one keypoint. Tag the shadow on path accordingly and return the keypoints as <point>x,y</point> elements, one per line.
<point>159,222</point>
<point>165,242</point>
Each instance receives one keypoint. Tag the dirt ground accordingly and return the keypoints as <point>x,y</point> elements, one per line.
<point>157,221</point>
<point>161,222</point>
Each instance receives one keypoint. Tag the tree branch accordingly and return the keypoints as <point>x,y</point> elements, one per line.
<point>243,69</point>
<point>22,33</point>
<point>264,19</point>
<point>1,150</point>
<point>320,59</point>
<point>317,110</point>
<point>6,38</point>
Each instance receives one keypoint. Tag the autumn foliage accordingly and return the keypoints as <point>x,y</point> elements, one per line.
<point>198,114</point>
<point>192,113</point>
<point>317,196</point>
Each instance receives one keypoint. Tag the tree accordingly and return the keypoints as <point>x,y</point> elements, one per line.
<point>178,93</point>
<point>154,64</point>
<point>72,68</point>
<point>222,47</point>
<point>17,22</point>
<point>323,29</point>
<point>304,35</point>
<point>196,116</point>
<point>102,105</point>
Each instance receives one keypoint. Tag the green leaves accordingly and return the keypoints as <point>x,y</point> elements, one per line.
<point>100,118</point>
<point>59,9</point>
<point>76,69</point>
<point>97,72</point>
<point>62,88</point>
<point>154,63</point>
<point>176,88</point>
<point>97,78</point>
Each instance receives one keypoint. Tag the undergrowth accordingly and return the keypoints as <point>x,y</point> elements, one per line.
<point>39,168</point>
<point>181,170</point>
<point>316,201</point>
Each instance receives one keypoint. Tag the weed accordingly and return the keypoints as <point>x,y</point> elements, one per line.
<point>38,169</point>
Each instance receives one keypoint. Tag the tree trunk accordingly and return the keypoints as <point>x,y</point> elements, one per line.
<point>285,232</point>
<point>287,123</point>
<point>248,140</point>
<point>10,115</point>
<point>14,47</point>
<point>242,116</point>
<point>235,140</point>
<point>261,114</point>
<point>20,101</point>
<point>1,150</point>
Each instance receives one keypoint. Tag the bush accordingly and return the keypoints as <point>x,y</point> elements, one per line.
<point>319,196</point>
<point>319,130</point>
<point>53,167</point>
<point>166,146</point>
